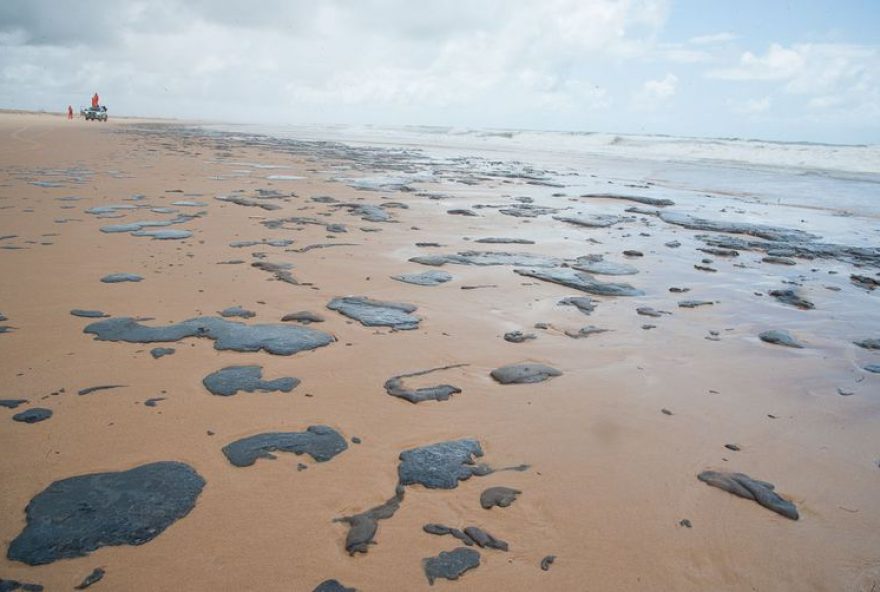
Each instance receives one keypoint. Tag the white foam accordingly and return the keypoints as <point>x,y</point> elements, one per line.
<point>759,153</point>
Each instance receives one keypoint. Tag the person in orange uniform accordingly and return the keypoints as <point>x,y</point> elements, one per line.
<point>95,101</point>
<point>69,112</point>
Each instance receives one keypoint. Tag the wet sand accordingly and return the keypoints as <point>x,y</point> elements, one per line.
<point>611,474</point>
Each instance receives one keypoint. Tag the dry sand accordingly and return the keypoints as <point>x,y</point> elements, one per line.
<point>611,475</point>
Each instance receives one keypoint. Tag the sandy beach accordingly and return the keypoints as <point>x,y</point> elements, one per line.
<point>614,442</point>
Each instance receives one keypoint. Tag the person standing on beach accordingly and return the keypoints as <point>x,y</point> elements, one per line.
<point>69,112</point>
<point>95,101</point>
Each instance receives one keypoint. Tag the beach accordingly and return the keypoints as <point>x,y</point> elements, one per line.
<point>675,359</point>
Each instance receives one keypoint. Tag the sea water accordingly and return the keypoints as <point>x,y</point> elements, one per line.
<point>834,189</point>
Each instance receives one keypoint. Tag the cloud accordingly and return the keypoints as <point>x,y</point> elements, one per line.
<point>807,68</point>
<point>752,106</point>
<point>832,67</point>
<point>301,56</point>
<point>713,39</point>
<point>841,82</point>
<point>825,102</point>
<point>653,93</point>
<point>677,53</point>
<point>565,95</point>
<point>778,63</point>
<point>660,90</point>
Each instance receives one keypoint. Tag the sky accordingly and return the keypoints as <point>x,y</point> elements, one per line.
<point>805,70</point>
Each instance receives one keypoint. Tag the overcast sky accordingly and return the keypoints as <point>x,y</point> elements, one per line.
<point>773,69</point>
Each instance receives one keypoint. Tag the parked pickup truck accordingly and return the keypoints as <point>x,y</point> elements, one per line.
<point>96,114</point>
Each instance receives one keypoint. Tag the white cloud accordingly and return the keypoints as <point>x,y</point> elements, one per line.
<point>840,82</point>
<point>713,39</point>
<point>655,92</point>
<point>779,63</point>
<point>825,102</point>
<point>831,67</point>
<point>679,54</point>
<point>660,90</point>
<point>566,95</point>
<point>298,57</point>
<point>752,106</point>
<point>808,68</point>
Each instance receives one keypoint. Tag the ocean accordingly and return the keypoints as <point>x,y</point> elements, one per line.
<point>833,189</point>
